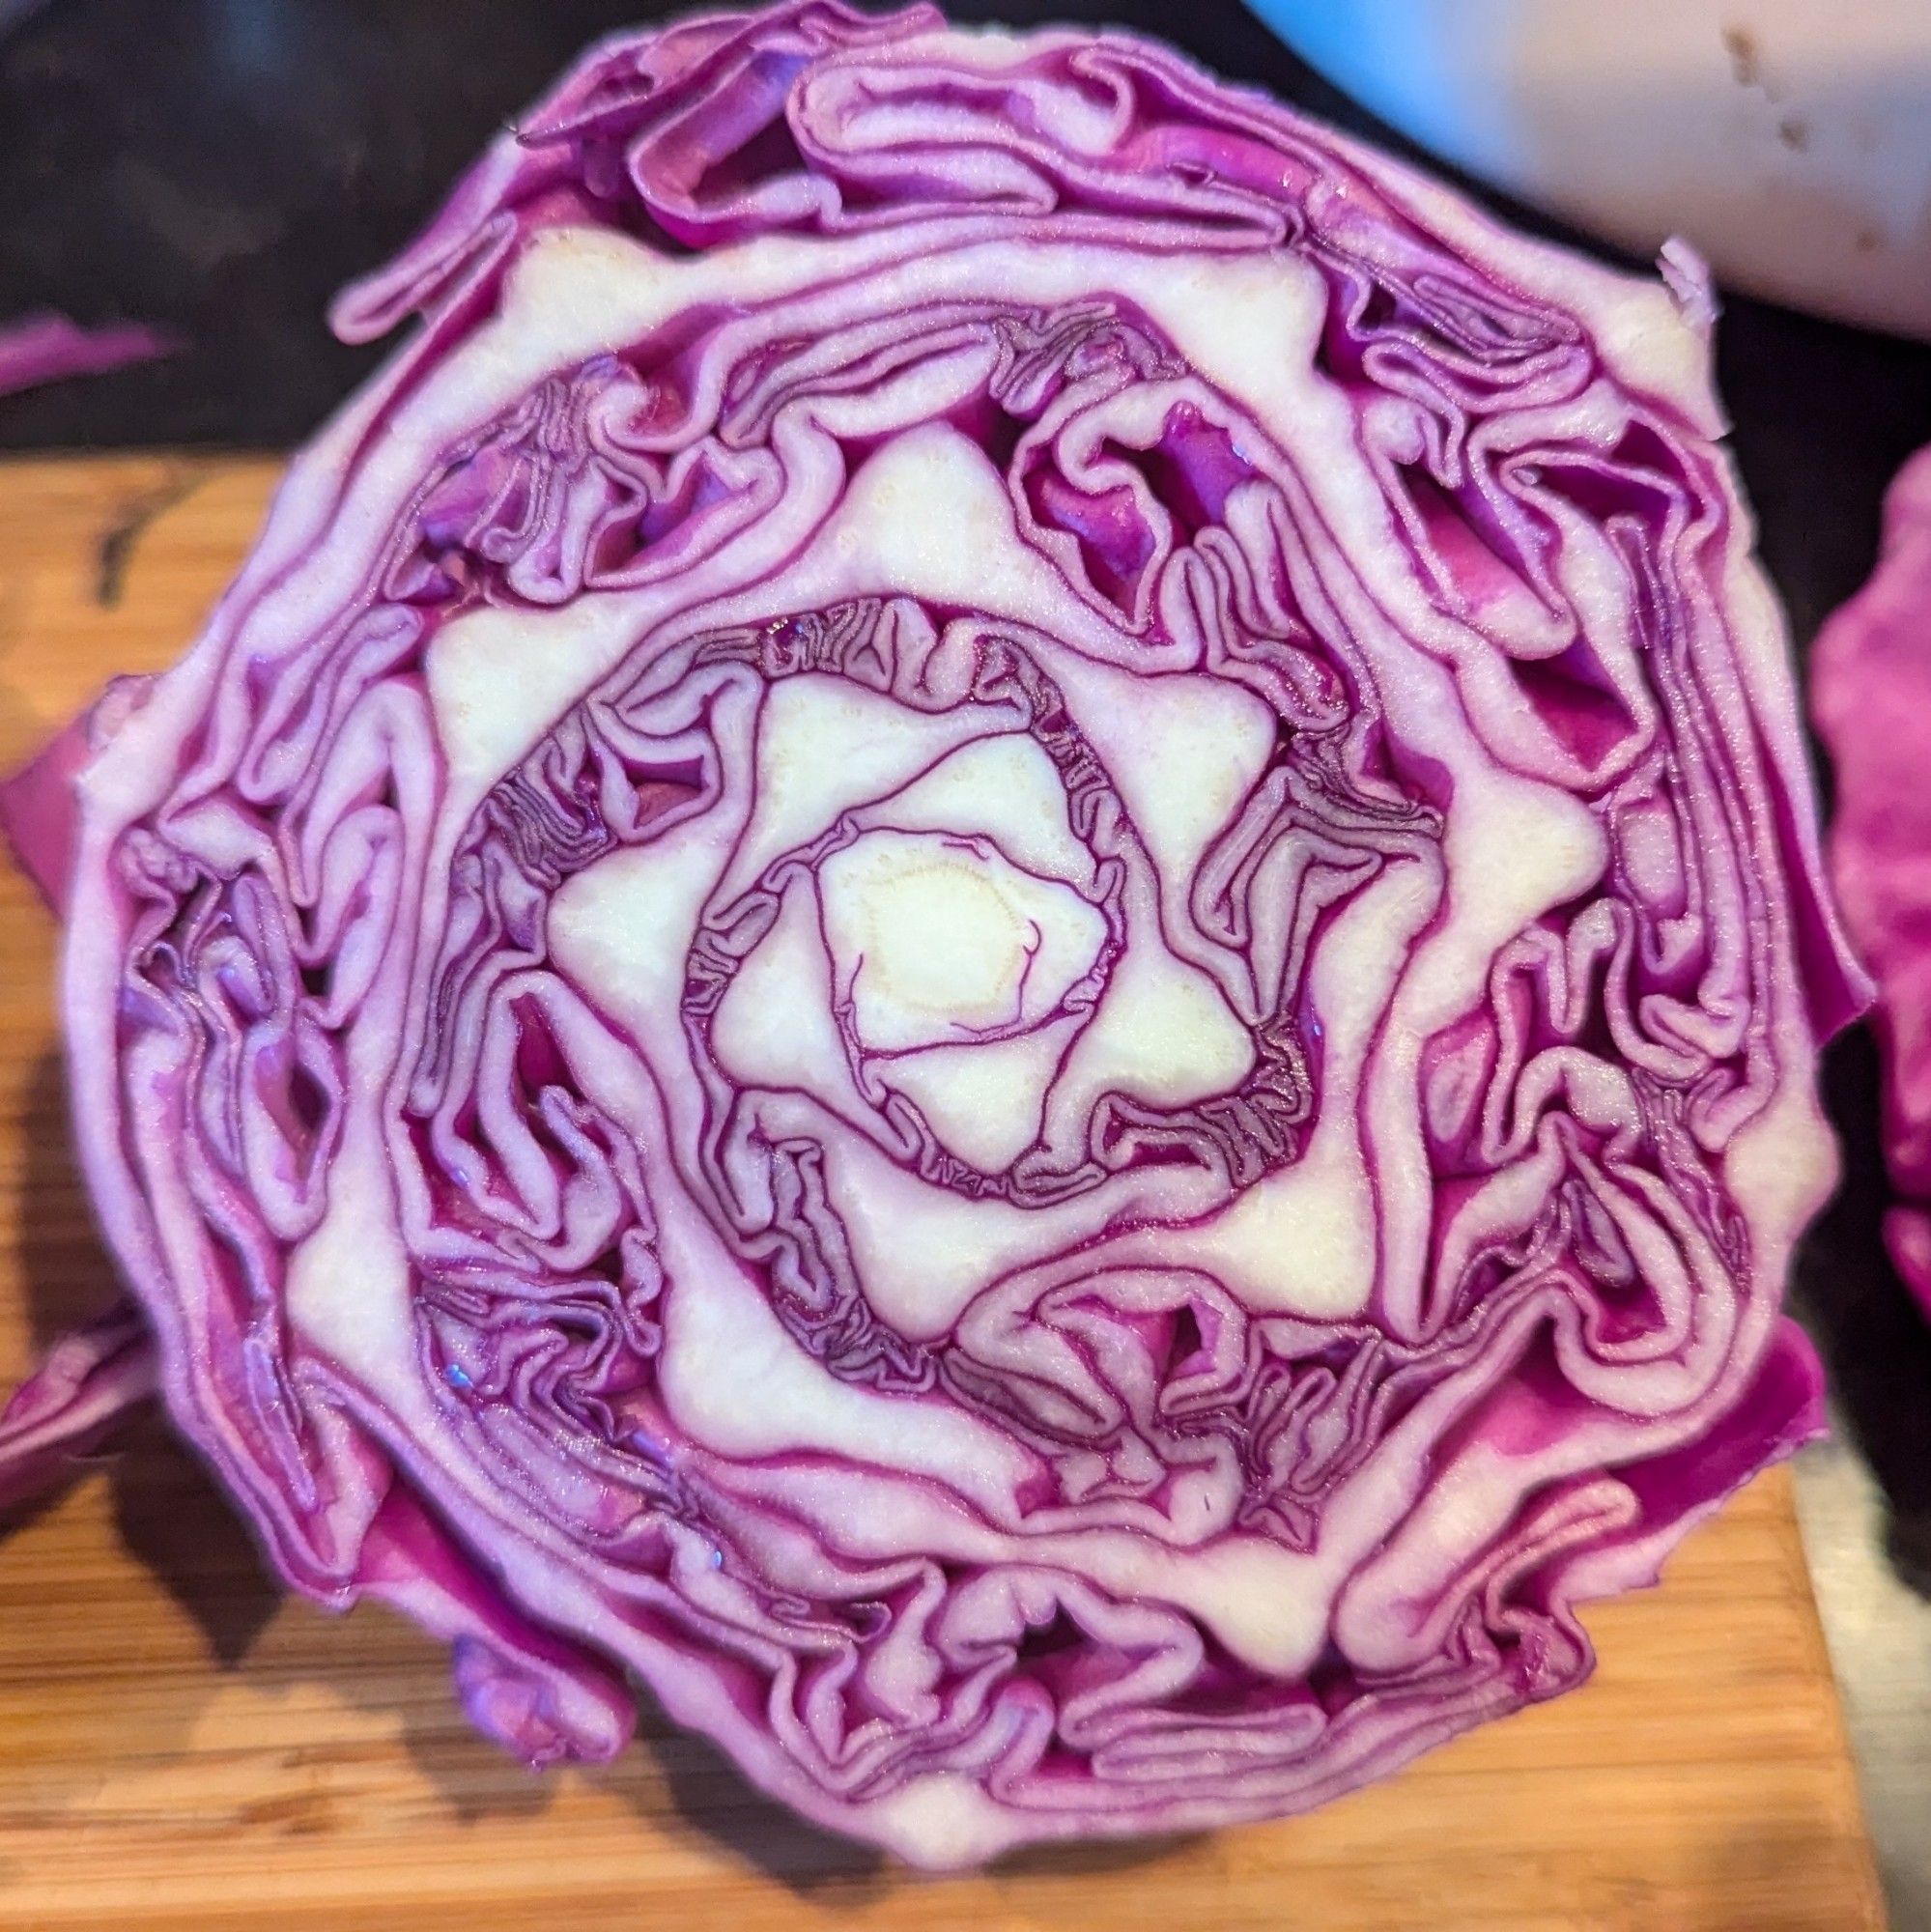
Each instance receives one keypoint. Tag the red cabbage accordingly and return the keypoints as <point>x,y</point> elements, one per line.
<point>1871,694</point>
<point>991,933</point>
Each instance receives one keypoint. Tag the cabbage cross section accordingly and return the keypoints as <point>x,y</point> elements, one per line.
<point>990,935</point>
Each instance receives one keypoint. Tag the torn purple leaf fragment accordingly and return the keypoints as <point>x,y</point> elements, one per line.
<point>1870,693</point>
<point>40,349</point>
<point>89,1383</point>
<point>993,933</point>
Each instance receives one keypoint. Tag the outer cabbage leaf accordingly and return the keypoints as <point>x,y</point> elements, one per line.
<point>1871,694</point>
<point>992,932</point>
<point>39,349</point>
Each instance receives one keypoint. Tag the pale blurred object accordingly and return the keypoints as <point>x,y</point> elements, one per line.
<point>1788,140</point>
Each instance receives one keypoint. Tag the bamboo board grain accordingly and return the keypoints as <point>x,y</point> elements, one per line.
<point>183,1750</point>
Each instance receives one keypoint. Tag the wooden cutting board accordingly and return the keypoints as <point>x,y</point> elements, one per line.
<point>181,1750</point>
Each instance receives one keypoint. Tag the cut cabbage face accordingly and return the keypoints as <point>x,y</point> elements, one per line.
<point>990,934</point>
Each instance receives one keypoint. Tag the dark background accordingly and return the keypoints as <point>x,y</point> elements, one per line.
<point>220,167</point>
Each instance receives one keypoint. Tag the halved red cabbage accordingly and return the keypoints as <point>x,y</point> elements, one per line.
<point>991,933</point>
<point>1870,691</point>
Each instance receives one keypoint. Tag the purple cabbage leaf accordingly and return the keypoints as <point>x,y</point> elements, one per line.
<point>1870,691</point>
<point>40,349</point>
